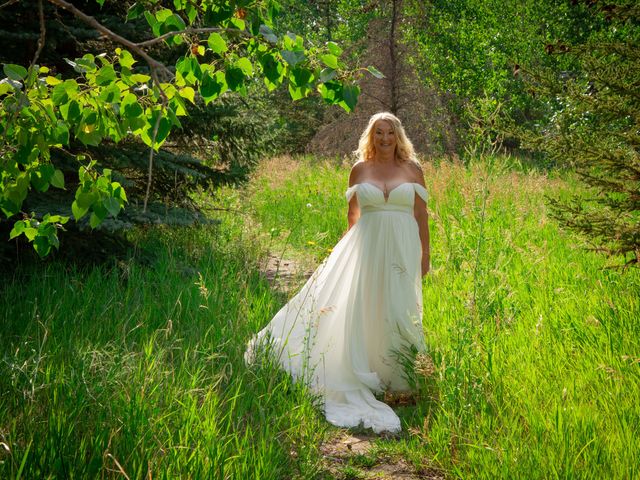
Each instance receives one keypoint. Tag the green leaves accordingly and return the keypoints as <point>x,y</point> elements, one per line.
<point>350,96</point>
<point>129,107</point>
<point>216,43</point>
<point>164,127</point>
<point>212,86</point>
<point>327,74</point>
<point>216,14</point>
<point>165,21</point>
<point>268,34</point>
<point>244,64</point>
<point>57,179</point>
<point>64,92</point>
<point>70,111</point>
<point>60,135</point>
<point>5,87</point>
<point>14,192</point>
<point>375,72</point>
<point>344,95</point>
<point>135,11</point>
<point>43,234</point>
<point>105,75</point>
<point>112,205</point>
<point>97,194</point>
<point>88,130</point>
<point>189,69</point>
<point>330,61</point>
<point>15,72</point>
<point>125,58</point>
<point>293,57</point>
<point>334,48</point>
<point>41,176</point>
<point>300,82</point>
<point>234,77</point>
<point>272,70</point>
<point>86,64</point>
<point>112,96</point>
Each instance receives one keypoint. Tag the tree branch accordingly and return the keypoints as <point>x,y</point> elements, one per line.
<point>151,152</point>
<point>6,4</point>
<point>154,64</point>
<point>43,32</point>
<point>187,31</point>
<point>382,102</point>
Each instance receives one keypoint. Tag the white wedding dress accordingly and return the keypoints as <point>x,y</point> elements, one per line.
<point>342,332</point>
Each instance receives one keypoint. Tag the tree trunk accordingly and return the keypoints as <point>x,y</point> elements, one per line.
<point>393,76</point>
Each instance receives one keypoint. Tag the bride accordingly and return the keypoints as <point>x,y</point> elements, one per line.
<point>344,332</point>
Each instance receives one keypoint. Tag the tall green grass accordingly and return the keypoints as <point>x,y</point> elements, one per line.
<point>536,341</point>
<point>136,369</point>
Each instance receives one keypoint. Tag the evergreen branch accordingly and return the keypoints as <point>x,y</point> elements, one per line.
<point>187,31</point>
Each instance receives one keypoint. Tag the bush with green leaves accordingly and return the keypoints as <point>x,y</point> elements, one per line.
<point>223,47</point>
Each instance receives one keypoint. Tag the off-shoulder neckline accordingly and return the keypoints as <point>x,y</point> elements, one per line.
<point>377,187</point>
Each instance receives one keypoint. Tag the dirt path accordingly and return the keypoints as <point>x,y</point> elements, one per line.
<point>284,274</point>
<point>351,456</point>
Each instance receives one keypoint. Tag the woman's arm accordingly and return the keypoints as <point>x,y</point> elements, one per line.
<point>422,217</point>
<point>353,214</point>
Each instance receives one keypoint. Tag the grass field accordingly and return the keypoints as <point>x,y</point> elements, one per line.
<point>135,369</point>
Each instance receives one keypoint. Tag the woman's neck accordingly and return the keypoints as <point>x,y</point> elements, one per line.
<point>385,158</point>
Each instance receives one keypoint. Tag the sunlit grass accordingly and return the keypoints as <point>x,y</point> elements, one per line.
<point>536,341</point>
<point>137,368</point>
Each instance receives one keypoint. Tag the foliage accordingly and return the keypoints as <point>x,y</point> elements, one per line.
<point>345,22</point>
<point>342,21</point>
<point>474,50</point>
<point>594,131</point>
<point>224,48</point>
<point>232,133</point>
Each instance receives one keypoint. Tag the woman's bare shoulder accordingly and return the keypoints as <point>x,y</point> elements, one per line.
<point>357,170</point>
<point>417,173</point>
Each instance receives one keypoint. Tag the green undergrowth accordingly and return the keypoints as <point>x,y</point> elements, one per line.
<point>535,339</point>
<point>130,371</point>
<point>136,368</point>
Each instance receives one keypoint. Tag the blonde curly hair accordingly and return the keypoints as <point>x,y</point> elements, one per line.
<point>404,148</point>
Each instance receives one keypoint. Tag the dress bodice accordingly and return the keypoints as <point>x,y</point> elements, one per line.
<point>400,199</point>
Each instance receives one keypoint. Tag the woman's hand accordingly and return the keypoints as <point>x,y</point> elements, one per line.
<point>426,265</point>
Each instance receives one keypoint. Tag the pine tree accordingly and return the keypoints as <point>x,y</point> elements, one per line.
<point>596,131</point>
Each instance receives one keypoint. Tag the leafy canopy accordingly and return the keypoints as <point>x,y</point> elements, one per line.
<point>223,47</point>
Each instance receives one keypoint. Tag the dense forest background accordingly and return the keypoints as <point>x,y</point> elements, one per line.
<point>552,82</point>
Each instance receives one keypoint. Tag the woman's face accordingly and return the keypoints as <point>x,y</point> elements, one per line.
<point>384,137</point>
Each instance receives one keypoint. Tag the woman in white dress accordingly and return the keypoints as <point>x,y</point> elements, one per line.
<point>344,331</point>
